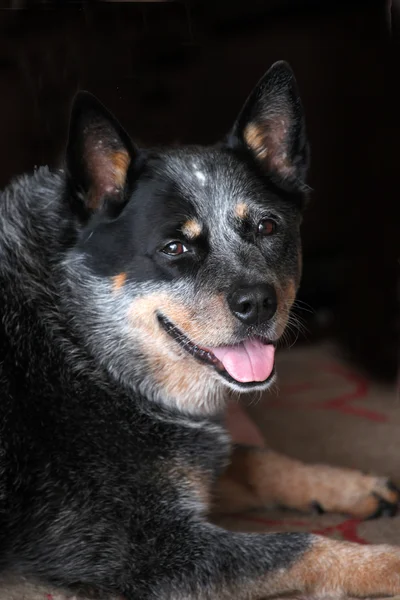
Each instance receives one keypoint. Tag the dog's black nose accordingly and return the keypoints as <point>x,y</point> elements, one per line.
<point>255,304</point>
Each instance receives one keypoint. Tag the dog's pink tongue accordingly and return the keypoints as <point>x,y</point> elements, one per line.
<point>249,361</point>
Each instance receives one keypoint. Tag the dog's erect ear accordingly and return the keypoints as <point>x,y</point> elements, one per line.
<point>271,125</point>
<point>99,154</point>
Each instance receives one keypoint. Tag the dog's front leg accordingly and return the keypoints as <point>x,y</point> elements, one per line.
<point>258,478</point>
<point>213,564</point>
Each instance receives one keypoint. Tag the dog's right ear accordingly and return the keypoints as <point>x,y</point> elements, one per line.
<point>98,159</point>
<point>271,126</point>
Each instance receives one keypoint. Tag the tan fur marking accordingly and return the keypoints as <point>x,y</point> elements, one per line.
<point>177,373</point>
<point>192,229</point>
<point>119,281</point>
<point>120,161</point>
<point>341,569</point>
<point>286,296</point>
<point>108,172</point>
<point>254,137</point>
<point>200,483</point>
<point>195,480</point>
<point>267,140</point>
<point>196,322</point>
<point>179,378</point>
<point>265,478</point>
<point>241,210</point>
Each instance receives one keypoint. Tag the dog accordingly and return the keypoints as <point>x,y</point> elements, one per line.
<point>138,289</point>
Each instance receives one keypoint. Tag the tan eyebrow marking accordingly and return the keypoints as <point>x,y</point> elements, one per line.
<point>119,281</point>
<point>241,210</point>
<point>192,229</point>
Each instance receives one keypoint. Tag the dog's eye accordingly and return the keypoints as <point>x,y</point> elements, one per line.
<point>174,249</point>
<point>266,227</point>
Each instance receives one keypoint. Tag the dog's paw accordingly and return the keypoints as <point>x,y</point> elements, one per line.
<point>352,493</point>
<point>383,501</point>
<point>336,569</point>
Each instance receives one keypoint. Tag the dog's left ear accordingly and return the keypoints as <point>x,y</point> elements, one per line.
<point>99,155</point>
<point>271,126</point>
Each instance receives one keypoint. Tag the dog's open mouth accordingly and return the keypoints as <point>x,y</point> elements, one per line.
<point>248,364</point>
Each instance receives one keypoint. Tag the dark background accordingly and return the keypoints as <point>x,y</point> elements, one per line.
<point>179,72</point>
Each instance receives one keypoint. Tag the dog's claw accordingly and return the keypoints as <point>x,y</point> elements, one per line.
<point>317,508</point>
<point>385,509</point>
<point>393,487</point>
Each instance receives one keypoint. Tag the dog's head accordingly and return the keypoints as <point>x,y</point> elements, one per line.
<point>189,259</point>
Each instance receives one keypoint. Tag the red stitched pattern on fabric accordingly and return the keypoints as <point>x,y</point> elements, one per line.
<point>342,403</point>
